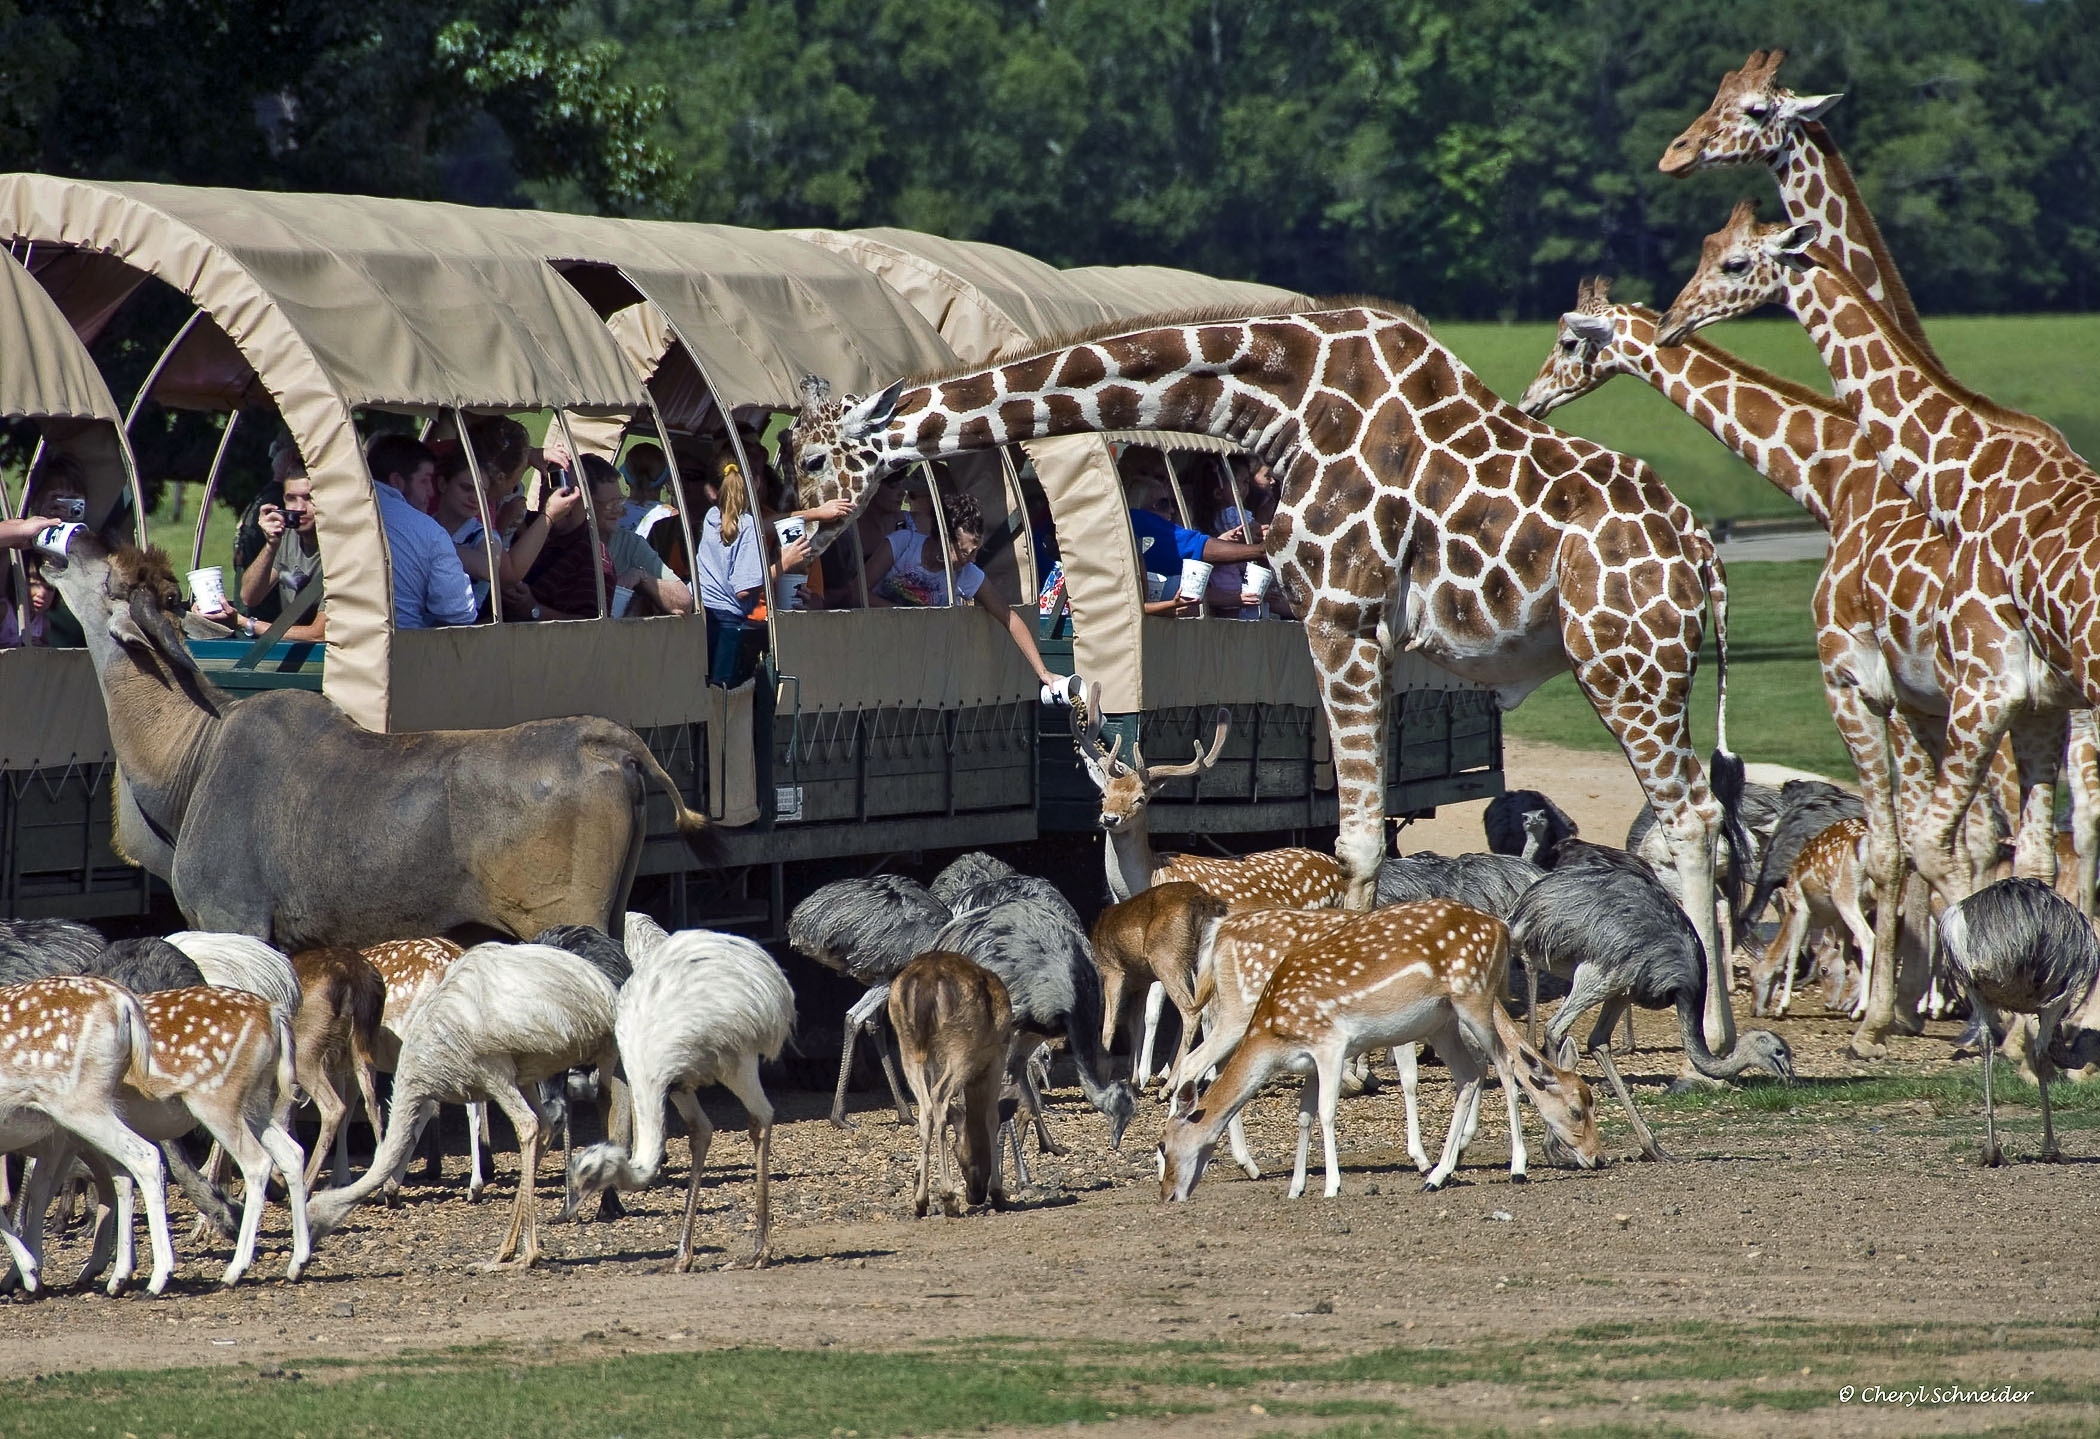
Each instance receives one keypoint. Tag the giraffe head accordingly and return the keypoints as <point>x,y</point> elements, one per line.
<point>832,449</point>
<point>1583,352</point>
<point>1741,267</point>
<point>1752,120</point>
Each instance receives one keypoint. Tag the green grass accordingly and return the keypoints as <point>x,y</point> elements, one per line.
<point>1674,1367</point>
<point>1776,709</point>
<point>2044,364</point>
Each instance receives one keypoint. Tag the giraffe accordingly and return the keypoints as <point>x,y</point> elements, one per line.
<point>1755,121</point>
<point>1875,604</point>
<point>2018,617</point>
<point>1417,509</point>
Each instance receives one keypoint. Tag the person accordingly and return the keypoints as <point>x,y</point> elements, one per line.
<point>29,623</point>
<point>634,566</point>
<point>430,587</point>
<point>1163,545</point>
<point>59,492</point>
<point>645,469</point>
<point>902,577</point>
<point>733,568</point>
<point>519,545</point>
<point>286,562</point>
<point>697,492</point>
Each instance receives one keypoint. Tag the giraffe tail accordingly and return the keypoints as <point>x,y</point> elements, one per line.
<point>1725,769</point>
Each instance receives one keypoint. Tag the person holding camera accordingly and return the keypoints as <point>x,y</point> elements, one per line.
<point>288,561</point>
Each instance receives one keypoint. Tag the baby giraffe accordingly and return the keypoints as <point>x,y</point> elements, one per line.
<point>1430,972</point>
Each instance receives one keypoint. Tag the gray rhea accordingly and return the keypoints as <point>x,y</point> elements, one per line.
<point>40,948</point>
<point>1622,939</point>
<point>867,929</point>
<point>1527,823</point>
<point>1490,883</point>
<point>1047,965</point>
<point>2018,947</point>
<point>967,872</point>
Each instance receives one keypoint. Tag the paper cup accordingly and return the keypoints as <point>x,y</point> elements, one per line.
<point>1195,579</point>
<point>790,530</point>
<point>622,599</point>
<point>1255,584</point>
<point>787,591</point>
<point>208,589</point>
<point>1157,587</point>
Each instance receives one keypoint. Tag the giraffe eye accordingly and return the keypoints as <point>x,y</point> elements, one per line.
<point>813,464</point>
<point>1757,111</point>
<point>1568,345</point>
<point>1734,267</point>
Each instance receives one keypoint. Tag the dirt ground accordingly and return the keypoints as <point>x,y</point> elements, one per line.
<point>1867,1216</point>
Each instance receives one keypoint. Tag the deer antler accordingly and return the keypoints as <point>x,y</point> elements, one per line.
<point>1203,761</point>
<point>1086,731</point>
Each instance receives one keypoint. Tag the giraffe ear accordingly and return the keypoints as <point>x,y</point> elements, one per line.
<point>1790,246</point>
<point>869,415</point>
<point>1803,108</point>
<point>1595,330</point>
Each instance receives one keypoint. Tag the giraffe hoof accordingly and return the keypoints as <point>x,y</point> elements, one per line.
<point>1867,1049</point>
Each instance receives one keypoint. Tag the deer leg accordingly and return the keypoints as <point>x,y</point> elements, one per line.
<point>320,1088</point>
<point>1329,1078</point>
<point>1405,1059</point>
<point>1855,921</point>
<point>283,1150</point>
<point>701,1132</point>
<point>1236,1136</point>
<point>1155,1002</point>
<point>1466,1076</point>
<point>1308,1098</point>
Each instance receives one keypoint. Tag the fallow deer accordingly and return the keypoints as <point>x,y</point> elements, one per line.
<point>1427,972</point>
<point>955,1027</point>
<point>343,1000</point>
<point>67,1047</point>
<point>224,1058</point>
<point>411,968</point>
<point>1155,938</point>
<point>1824,888</point>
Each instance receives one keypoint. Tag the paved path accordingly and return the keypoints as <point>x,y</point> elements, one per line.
<point>1793,545</point>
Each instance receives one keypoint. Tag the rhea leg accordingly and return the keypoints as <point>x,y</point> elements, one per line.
<point>701,1131</point>
<point>521,1242</point>
<point>743,1083</point>
<point>856,1016</point>
<point>1600,1050</point>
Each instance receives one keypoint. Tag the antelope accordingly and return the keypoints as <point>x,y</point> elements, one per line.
<point>68,1045</point>
<point>1155,938</point>
<point>342,1001</point>
<point>1824,887</point>
<point>1427,972</point>
<point>955,1027</point>
<point>411,968</point>
<point>225,1059</point>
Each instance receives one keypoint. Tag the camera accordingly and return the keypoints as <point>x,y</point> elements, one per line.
<point>72,507</point>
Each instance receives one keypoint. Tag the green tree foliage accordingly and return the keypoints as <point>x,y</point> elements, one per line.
<point>1475,157</point>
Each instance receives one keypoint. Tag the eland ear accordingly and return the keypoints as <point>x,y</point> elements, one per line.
<point>148,624</point>
<point>124,629</point>
<point>1804,108</point>
<point>869,415</point>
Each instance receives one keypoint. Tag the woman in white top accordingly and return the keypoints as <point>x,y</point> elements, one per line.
<point>902,577</point>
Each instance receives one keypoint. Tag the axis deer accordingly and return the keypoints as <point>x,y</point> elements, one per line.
<point>955,1027</point>
<point>67,1047</point>
<point>225,1059</point>
<point>1429,972</point>
<point>1824,888</point>
<point>1155,938</point>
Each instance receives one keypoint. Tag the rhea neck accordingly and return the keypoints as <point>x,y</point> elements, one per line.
<point>1709,384</point>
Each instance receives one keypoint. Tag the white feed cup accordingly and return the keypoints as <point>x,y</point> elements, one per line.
<point>1195,578</point>
<point>787,591</point>
<point>1255,584</point>
<point>622,599</point>
<point>208,589</point>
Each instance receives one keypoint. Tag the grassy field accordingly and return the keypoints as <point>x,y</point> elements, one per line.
<point>1776,710</point>
<point>2045,364</point>
<point>1647,1378</point>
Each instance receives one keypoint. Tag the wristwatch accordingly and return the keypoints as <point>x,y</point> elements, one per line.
<point>535,611</point>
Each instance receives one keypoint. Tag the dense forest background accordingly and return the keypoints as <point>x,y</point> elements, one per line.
<point>1471,158</point>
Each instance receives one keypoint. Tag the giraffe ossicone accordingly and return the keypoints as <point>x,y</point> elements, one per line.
<point>1416,509</point>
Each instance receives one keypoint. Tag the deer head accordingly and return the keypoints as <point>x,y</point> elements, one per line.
<point>1580,359</point>
<point>1742,267</point>
<point>132,592</point>
<point>1127,787</point>
<point>831,449</point>
<point>1752,120</point>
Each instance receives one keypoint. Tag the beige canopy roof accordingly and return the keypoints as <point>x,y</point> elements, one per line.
<point>333,302</point>
<point>44,369</point>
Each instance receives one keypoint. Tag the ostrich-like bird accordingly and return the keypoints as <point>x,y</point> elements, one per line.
<point>966,872</point>
<point>706,1009</point>
<point>1490,883</point>
<point>33,949</point>
<point>867,929</point>
<point>1048,968</point>
<point>2018,947</point>
<point>1510,829</point>
<point>1622,939</point>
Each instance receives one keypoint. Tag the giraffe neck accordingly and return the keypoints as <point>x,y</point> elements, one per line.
<point>1923,433</point>
<point>1752,411</point>
<point>1817,188</point>
<point>1224,378</point>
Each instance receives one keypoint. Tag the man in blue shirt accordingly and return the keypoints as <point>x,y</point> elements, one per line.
<point>1163,544</point>
<point>430,587</point>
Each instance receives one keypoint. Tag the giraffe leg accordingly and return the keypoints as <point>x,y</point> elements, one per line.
<point>2038,737</point>
<point>1900,766</point>
<point>1352,666</point>
<point>2082,768</point>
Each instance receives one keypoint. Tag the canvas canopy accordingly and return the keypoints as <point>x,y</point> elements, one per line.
<point>332,302</point>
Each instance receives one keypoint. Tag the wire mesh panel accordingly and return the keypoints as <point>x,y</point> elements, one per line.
<point>56,850</point>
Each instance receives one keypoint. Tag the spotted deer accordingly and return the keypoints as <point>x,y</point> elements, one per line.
<point>955,1029</point>
<point>1426,972</point>
<point>68,1045</point>
<point>411,968</point>
<point>1829,884</point>
<point>225,1059</point>
<point>342,1000</point>
<point>1156,938</point>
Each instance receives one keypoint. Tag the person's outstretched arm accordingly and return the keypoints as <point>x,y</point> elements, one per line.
<point>1017,627</point>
